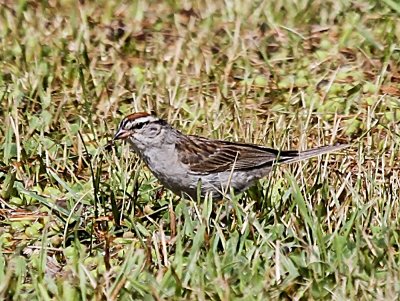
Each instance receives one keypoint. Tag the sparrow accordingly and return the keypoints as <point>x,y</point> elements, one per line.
<point>186,163</point>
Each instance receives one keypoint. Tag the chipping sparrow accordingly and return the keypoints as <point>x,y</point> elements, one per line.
<point>180,162</point>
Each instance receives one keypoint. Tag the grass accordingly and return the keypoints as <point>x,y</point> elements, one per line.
<point>84,221</point>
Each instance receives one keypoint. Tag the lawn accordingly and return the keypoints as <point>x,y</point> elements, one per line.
<point>84,219</point>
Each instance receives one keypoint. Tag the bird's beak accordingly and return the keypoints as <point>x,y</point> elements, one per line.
<point>121,134</point>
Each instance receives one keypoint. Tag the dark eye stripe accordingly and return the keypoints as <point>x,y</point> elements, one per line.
<point>138,126</point>
<point>130,125</point>
<point>123,124</point>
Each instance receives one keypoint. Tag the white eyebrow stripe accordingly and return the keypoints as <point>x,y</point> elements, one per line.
<point>145,119</point>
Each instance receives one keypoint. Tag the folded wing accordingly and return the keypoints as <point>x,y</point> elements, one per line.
<point>211,156</point>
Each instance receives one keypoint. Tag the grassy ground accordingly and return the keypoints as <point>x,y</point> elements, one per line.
<point>80,220</point>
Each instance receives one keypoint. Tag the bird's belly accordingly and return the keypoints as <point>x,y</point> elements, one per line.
<point>172,176</point>
<point>178,179</point>
<point>221,183</point>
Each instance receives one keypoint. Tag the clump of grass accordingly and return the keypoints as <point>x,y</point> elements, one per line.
<point>80,220</point>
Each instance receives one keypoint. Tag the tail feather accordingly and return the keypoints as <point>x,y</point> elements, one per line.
<point>303,155</point>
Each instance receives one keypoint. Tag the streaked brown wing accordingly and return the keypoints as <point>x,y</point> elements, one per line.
<point>209,156</point>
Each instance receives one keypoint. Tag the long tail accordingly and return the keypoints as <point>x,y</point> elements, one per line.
<point>292,156</point>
